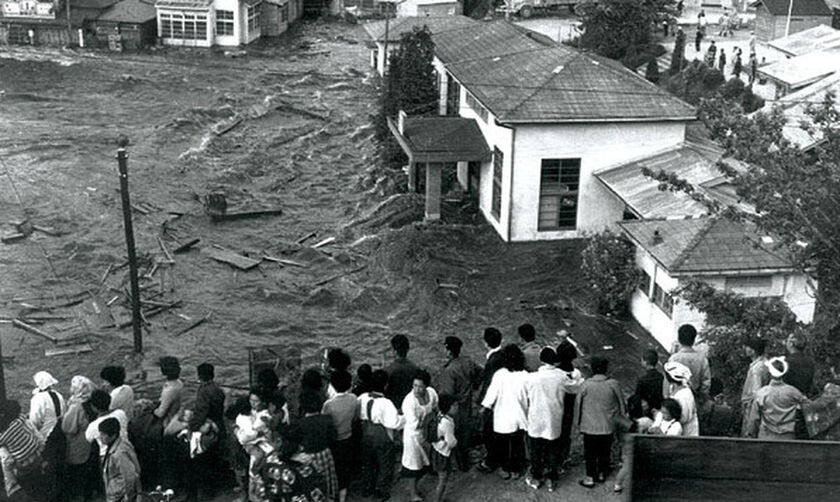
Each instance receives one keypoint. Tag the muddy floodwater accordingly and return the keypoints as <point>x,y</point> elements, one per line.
<point>288,125</point>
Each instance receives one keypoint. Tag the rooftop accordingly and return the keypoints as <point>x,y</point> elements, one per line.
<point>705,246</point>
<point>441,139</point>
<point>803,70</point>
<point>794,106</point>
<point>691,162</point>
<point>130,11</point>
<point>813,39</point>
<point>401,25</point>
<point>800,7</point>
<point>519,79</point>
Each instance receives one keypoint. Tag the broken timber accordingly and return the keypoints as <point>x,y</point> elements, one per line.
<point>231,258</point>
<point>328,240</point>
<point>283,261</point>
<point>71,349</point>
<point>183,248</point>
<point>169,259</point>
<point>194,325</point>
<point>32,329</point>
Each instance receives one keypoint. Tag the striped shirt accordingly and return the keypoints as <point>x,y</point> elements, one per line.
<point>22,441</point>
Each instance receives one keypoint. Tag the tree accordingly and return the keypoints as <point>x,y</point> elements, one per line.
<point>697,82</point>
<point>678,57</point>
<point>410,85</point>
<point>612,28</point>
<point>652,70</point>
<point>609,266</point>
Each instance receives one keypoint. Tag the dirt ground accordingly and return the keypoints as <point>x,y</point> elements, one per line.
<point>303,143</point>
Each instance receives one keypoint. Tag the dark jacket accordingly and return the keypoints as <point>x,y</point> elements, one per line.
<point>316,432</point>
<point>800,373</point>
<point>209,403</point>
<point>460,376</point>
<point>400,380</point>
<point>649,388</point>
<point>493,364</point>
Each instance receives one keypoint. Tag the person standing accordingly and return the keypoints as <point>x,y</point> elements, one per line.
<point>21,449</point>
<point>753,68</point>
<point>82,457</point>
<point>172,391</point>
<point>722,61</point>
<point>757,377</point>
<point>546,393</point>
<point>677,377</point>
<point>441,452</point>
<point>599,401</point>
<point>400,372</point>
<point>508,401</point>
<point>317,433</point>
<point>716,419</point>
<point>773,411</point>
<point>493,362</point>
<point>45,411</point>
<point>420,403</point>
<point>205,468</point>
<point>343,408</point>
<point>698,37</point>
<point>752,42</point>
<point>800,372</point>
<point>697,363</point>
<point>566,354</point>
<point>122,395</point>
<point>737,64</point>
<point>460,375</point>
<point>120,468</point>
<point>711,55</point>
<point>100,401</point>
<point>529,347</point>
<point>649,386</point>
<point>363,376</point>
<point>380,423</point>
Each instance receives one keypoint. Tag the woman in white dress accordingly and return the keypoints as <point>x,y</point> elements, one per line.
<point>678,376</point>
<point>418,404</point>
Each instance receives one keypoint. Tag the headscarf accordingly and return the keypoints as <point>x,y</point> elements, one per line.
<point>43,381</point>
<point>777,367</point>
<point>678,371</point>
<point>81,388</point>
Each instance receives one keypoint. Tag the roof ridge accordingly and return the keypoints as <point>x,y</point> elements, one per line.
<point>460,61</point>
<point>680,259</point>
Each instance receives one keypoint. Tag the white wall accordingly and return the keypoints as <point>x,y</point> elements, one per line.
<point>379,55</point>
<point>238,26</point>
<point>598,145</point>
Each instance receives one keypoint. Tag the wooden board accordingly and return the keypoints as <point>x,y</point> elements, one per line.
<point>231,258</point>
<point>71,349</point>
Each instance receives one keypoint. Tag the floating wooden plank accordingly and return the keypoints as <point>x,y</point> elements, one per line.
<point>246,210</point>
<point>47,230</point>
<point>70,349</point>
<point>139,209</point>
<point>306,237</point>
<point>169,258</point>
<point>328,240</point>
<point>194,325</point>
<point>12,238</point>
<point>183,248</point>
<point>224,127</point>
<point>231,258</point>
<point>342,274</point>
<point>284,261</point>
<point>32,329</point>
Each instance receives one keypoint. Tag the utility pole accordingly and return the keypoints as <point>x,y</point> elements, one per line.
<point>122,161</point>
<point>787,24</point>
<point>2,378</point>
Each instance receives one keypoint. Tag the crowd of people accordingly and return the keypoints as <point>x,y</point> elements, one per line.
<point>350,431</point>
<point>716,58</point>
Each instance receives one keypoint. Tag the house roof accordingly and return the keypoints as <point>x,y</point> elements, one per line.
<point>794,106</point>
<point>482,40</point>
<point>814,39</point>
<point>522,80</point>
<point>705,246</point>
<point>91,4</point>
<point>803,70</point>
<point>693,163</point>
<point>401,25</point>
<point>130,11</point>
<point>800,7</point>
<point>441,139</point>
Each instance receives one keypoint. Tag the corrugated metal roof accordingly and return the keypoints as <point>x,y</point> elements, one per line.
<point>397,27</point>
<point>794,106</point>
<point>813,39</point>
<point>130,11</point>
<point>803,70</point>
<point>705,246</point>
<point>799,7</point>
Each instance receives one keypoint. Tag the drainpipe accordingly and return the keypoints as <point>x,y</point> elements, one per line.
<point>510,194</point>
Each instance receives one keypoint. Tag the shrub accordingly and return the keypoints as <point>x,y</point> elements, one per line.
<point>609,266</point>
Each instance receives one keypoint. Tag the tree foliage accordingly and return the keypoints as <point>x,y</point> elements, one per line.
<point>609,266</point>
<point>678,56</point>
<point>614,28</point>
<point>652,70</point>
<point>410,85</point>
<point>697,82</point>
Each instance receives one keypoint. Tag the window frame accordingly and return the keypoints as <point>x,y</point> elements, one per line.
<point>252,15</point>
<point>227,23</point>
<point>644,283</point>
<point>663,300</point>
<point>567,175</point>
<point>476,106</point>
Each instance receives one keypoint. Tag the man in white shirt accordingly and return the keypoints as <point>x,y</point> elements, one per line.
<point>122,395</point>
<point>546,391</point>
<point>380,420</point>
<point>101,401</point>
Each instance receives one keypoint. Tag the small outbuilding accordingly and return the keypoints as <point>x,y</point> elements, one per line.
<point>818,38</point>
<point>790,75</point>
<point>771,17</point>
<point>128,24</point>
<point>429,8</point>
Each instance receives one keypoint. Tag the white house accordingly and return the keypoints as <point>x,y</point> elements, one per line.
<point>429,8</point>
<point>396,28</point>
<point>727,255</point>
<point>551,116</point>
<point>205,23</point>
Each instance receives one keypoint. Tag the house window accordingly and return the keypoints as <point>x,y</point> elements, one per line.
<point>559,182</point>
<point>498,161</point>
<point>750,282</point>
<point>663,300</point>
<point>453,97</point>
<point>224,23</point>
<point>284,13</point>
<point>183,26</point>
<point>253,18</point>
<point>644,283</point>
<point>477,107</point>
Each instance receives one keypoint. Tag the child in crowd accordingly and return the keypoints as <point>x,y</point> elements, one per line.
<point>442,449</point>
<point>637,410</point>
<point>668,419</point>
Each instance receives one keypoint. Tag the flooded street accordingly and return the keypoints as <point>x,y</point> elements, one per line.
<point>288,124</point>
